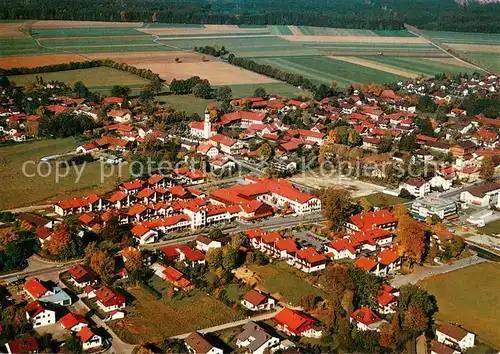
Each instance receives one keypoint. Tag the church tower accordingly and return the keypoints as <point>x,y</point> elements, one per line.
<point>207,126</point>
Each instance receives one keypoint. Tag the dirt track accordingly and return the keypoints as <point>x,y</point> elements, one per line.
<point>382,67</point>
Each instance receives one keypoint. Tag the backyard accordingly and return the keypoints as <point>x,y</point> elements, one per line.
<point>470,296</point>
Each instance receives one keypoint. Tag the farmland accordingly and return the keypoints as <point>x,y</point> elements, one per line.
<point>321,54</point>
<point>94,78</point>
<point>466,296</point>
<point>25,190</point>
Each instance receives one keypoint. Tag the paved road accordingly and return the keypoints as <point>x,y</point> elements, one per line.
<point>262,317</point>
<point>37,267</point>
<point>422,272</point>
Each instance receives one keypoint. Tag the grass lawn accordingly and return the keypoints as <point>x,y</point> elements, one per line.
<point>23,190</point>
<point>101,76</point>
<point>281,278</point>
<point>377,199</point>
<point>491,228</point>
<point>187,103</point>
<point>470,297</point>
<point>151,320</point>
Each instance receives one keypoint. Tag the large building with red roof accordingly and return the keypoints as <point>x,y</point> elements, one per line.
<point>295,323</point>
<point>108,299</point>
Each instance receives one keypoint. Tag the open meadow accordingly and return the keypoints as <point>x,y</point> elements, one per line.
<point>150,319</point>
<point>470,296</point>
<point>24,190</point>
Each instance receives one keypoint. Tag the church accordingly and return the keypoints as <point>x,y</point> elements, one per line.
<point>203,130</point>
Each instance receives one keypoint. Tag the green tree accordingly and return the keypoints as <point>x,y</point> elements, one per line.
<point>229,258</point>
<point>214,258</point>
<point>224,94</point>
<point>202,90</point>
<point>337,205</point>
<point>120,91</point>
<point>73,345</point>
<point>385,144</point>
<point>80,90</point>
<point>260,92</point>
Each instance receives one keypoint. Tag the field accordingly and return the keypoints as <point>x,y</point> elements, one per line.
<point>491,228</point>
<point>150,319</point>
<point>23,190</point>
<point>470,296</point>
<point>100,78</point>
<point>188,103</point>
<point>280,88</point>
<point>378,199</point>
<point>321,54</point>
<point>483,48</point>
<point>277,279</point>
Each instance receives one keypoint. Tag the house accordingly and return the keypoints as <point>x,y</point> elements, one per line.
<point>382,219</point>
<point>203,243</point>
<point>225,144</point>
<point>256,301</point>
<point>176,278</point>
<point>143,235</point>
<point>454,335</point>
<point>387,299</point>
<point>366,320</point>
<point>26,345</point>
<point>367,264</point>
<point>389,261</point>
<point>343,248</point>
<point>255,339</point>
<point>190,256</point>
<point>197,344</point>
<point>120,115</point>
<point>426,207</point>
<point>108,299</point>
<point>35,289</point>
<point>82,275</point>
<point>440,348</point>
<point>89,339</point>
<point>481,195</point>
<point>207,150</point>
<point>309,260</point>
<point>295,323</point>
<point>416,186</point>
<point>38,315</point>
<point>73,323</point>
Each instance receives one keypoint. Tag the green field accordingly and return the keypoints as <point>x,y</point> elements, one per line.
<point>470,296</point>
<point>491,228</point>
<point>232,34</point>
<point>20,46</point>
<point>100,77</point>
<point>420,65</point>
<point>326,31</point>
<point>325,70</point>
<point>378,199</point>
<point>25,190</point>
<point>85,32</point>
<point>465,37</point>
<point>188,103</point>
<point>280,30</point>
<point>386,48</point>
<point>281,278</point>
<point>172,25</point>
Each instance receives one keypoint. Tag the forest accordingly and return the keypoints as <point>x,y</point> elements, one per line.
<point>445,15</point>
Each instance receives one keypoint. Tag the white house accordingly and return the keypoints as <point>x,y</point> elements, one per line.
<point>481,195</point>
<point>366,320</point>
<point>256,301</point>
<point>73,323</point>
<point>39,315</point>
<point>144,235</point>
<point>89,339</point>
<point>453,335</point>
<point>203,243</point>
<point>416,186</point>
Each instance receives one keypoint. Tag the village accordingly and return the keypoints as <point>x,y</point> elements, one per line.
<point>236,205</point>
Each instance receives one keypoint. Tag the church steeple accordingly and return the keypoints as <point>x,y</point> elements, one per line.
<point>207,126</point>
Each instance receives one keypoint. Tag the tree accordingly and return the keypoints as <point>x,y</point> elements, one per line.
<point>73,345</point>
<point>80,90</point>
<point>229,258</point>
<point>103,263</point>
<point>411,235</point>
<point>415,319</point>
<point>260,92</point>
<point>59,241</point>
<point>237,241</point>
<point>4,81</point>
<point>120,91</point>
<point>387,336</point>
<point>365,204</point>
<point>487,171</point>
<point>337,206</point>
<point>202,90</point>
<point>224,94</point>
<point>214,258</point>
<point>412,295</point>
<point>385,144</point>
<point>134,259</point>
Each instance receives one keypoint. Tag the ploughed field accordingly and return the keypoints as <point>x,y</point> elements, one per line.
<point>322,54</point>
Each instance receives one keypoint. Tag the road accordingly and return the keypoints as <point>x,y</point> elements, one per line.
<point>224,326</point>
<point>422,272</point>
<point>37,267</point>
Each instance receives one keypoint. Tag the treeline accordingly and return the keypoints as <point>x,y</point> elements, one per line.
<point>213,51</point>
<point>444,15</point>
<point>64,125</point>
<point>195,85</point>
<point>144,73</point>
<point>267,70</point>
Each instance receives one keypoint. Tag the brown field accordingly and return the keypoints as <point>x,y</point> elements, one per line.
<point>11,29</point>
<point>392,54</point>
<point>451,61</point>
<point>354,39</point>
<point>382,67</point>
<point>208,29</point>
<point>296,31</point>
<point>192,64</point>
<point>483,48</point>
<point>38,60</point>
<point>216,37</point>
<point>81,24</point>
<point>92,38</point>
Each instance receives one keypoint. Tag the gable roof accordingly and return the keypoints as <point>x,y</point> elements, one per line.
<point>453,331</point>
<point>254,297</point>
<point>26,345</point>
<point>365,316</point>
<point>85,334</point>
<point>295,321</point>
<point>35,288</point>
<point>199,344</point>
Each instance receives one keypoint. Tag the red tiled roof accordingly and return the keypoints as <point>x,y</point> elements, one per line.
<point>295,321</point>
<point>388,256</point>
<point>109,297</point>
<point>70,320</point>
<point>85,334</point>
<point>373,218</point>
<point>34,308</point>
<point>286,245</point>
<point>172,274</point>
<point>311,255</point>
<point>135,184</point>
<point>27,345</point>
<point>113,100</point>
<point>365,316</point>
<point>139,230</point>
<point>35,288</point>
<point>365,263</point>
<point>254,297</point>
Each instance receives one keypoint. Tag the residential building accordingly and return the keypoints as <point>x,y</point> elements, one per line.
<point>440,348</point>
<point>366,320</point>
<point>26,345</point>
<point>197,344</point>
<point>82,275</point>
<point>255,339</point>
<point>73,322</point>
<point>428,206</point>
<point>89,339</point>
<point>382,219</point>
<point>295,323</point>
<point>203,243</point>
<point>256,301</point>
<point>481,195</point>
<point>454,335</point>
<point>416,186</point>
<point>108,299</point>
<point>38,315</point>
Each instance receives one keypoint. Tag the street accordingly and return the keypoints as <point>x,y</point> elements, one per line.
<point>422,272</point>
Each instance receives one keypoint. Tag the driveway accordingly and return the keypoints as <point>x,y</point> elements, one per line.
<point>422,272</point>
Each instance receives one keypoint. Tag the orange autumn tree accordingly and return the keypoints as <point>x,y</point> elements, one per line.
<point>415,319</point>
<point>7,235</point>
<point>133,258</point>
<point>59,241</point>
<point>411,236</point>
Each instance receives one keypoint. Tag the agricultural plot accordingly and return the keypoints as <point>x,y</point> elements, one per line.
<point>320,69</point>
<point>326,31</point>
<point>92,77</point>
<point>85,32</point>
<point>394,49</point>
<point>280,88</point>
